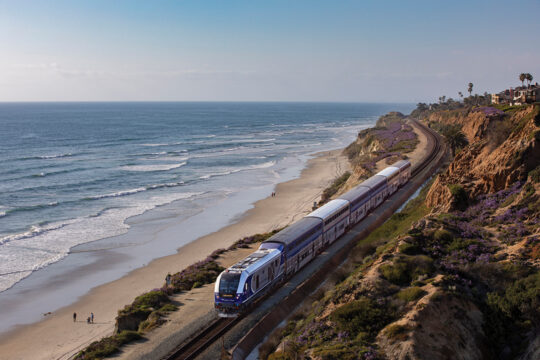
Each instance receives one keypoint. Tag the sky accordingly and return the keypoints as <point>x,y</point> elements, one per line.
<point>272,50</point>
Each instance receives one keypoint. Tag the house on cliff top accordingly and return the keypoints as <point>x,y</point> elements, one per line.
<point>517,96</point>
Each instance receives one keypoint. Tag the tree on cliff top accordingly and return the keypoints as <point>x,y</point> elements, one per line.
<point>522,78</point>
<point>469,89</point>
<point>455,137</point>
<point>529,78</point>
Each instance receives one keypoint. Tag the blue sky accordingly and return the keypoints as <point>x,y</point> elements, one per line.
<point>295,50</point>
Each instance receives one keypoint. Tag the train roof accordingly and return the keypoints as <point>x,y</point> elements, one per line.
<point>389,172</point>
<point>374,182</point>
<point>356,193</point>
<point>252,262</point>
<point>294,231</point>
<point>329,209</point>
<point>402,164</point>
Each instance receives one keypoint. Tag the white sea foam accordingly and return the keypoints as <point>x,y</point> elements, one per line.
<point>20,254</point>
<point>233,171</point>
<point>160,167</point>
<point>33,231</point>
<point>55,156</point>
<point>118,194</point>
<point>152,145</point>
<point>263,165</point>
<point>208,176</point>
<point>158,186</point>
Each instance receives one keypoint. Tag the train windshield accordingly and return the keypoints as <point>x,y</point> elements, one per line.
<point>229,284</point>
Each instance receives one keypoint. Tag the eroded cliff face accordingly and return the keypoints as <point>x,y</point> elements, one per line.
<point>461,282</point>
<point>502,149</point>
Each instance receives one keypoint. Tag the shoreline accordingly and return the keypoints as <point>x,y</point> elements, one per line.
<point>65,337</point>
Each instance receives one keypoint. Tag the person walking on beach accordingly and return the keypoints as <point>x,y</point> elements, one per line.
<point>92,318</point>
<point>168,280</point>
<point>74,316</point>
<point>88,320</point>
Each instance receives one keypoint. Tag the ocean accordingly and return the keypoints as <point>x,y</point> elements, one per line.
<point>72,174</point>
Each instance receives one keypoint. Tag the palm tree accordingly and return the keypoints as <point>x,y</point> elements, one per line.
<point>522,78</point>
<point>470,89</point>
<point>460,94</point>
<point>529,78</point>
<point>455,137</point>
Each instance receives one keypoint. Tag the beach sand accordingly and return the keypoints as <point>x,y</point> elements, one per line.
<point>58,337</point>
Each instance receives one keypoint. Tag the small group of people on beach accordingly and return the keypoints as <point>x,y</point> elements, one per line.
<point>273,194</point>
<point>89,320</point>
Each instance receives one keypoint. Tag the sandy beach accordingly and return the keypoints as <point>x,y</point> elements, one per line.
<point>57,336</point>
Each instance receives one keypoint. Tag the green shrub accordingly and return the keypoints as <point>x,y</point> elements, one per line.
<point>168,308</point>
<point>460,244</point>
<point>152,299</point>
<point>281,356</point>
<point>127,336</point>
<point>203,273</point>
<point>459,196</point>
<point>397,332</point>
<point>411,293</point>
<point>153,321</point>
<point>535,175</point>
<point>443,236</point>
<point>107,346</point>
<point>405,269</point>
<point>521,300</point>
<point>353,150</point>
<point>362,315</point>
<point>512,313</point>
<point>397,273</point>
<point>336,352</point>
<point>334,188</point>
<point>409,249</point>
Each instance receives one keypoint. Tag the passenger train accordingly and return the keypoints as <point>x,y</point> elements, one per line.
<point>286,252</point>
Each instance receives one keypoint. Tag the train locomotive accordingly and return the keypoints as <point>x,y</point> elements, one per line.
<point>283,254</point>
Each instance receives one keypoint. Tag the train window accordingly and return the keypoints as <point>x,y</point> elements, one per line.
<point>229,283</point>
<point>257,282</point>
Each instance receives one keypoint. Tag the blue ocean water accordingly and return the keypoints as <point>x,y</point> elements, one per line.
<point>72,173</point>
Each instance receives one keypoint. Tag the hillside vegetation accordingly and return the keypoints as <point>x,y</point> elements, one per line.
<point>456,274</point>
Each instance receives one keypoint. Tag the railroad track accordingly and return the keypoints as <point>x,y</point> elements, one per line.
<point>432,155</point>
<point>201,341</point>
<point>216,329</point>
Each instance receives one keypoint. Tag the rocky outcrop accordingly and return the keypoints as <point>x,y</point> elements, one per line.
<point>440,327</point>
<point>502,150</point>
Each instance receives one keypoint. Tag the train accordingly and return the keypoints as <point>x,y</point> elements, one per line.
<point>284,253</point>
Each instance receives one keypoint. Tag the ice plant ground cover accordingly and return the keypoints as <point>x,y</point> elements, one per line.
<point>463,255</point>
<point>393,136</point>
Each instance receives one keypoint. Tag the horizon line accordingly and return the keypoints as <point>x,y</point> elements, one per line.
<point>202,101</point>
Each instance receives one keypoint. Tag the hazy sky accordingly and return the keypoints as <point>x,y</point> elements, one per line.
<point>272,50</point>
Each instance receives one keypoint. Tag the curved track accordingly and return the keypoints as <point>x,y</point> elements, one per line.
<point>216,329</point>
